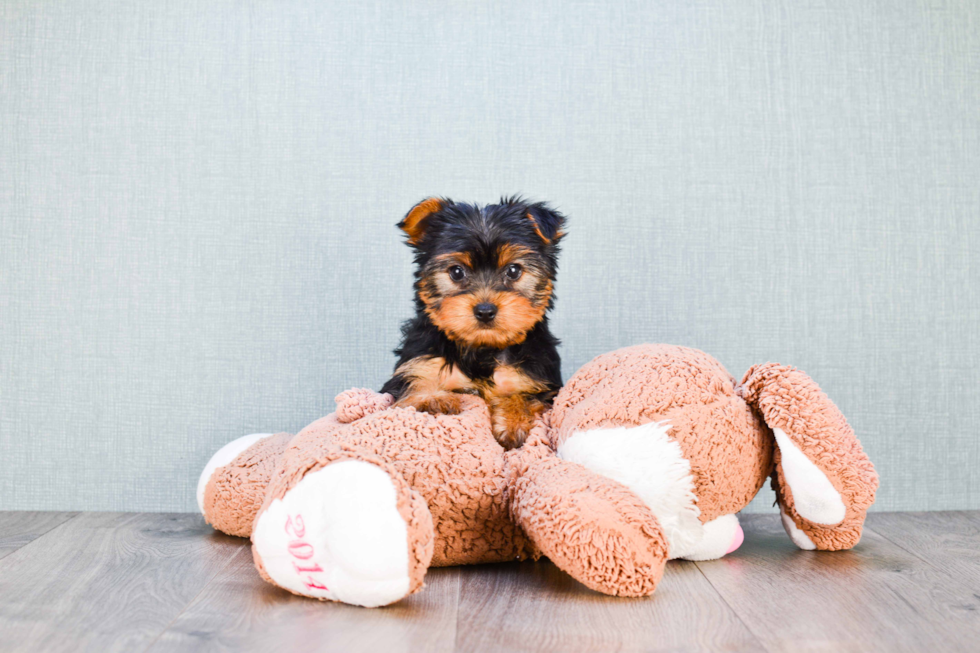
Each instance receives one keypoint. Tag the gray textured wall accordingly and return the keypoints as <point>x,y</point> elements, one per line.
<point>197,204</point>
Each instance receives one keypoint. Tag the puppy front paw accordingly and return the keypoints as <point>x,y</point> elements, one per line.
<point>513,418</point>
<point>434,403</point>
<point>510,437</point>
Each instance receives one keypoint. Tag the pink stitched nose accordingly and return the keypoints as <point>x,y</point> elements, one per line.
<point>737,539</point>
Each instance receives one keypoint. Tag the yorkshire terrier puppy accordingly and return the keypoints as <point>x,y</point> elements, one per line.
<point>483,284</point>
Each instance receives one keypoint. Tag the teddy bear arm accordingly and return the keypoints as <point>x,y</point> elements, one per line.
<point>593,528</point>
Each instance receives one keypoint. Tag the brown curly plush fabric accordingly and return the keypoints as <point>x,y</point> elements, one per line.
<point>479,497</point>
<point>466,501</point>
<point>595,529</point>
<point>452,461</point>
<point>236,491</point>
<point>729,447</point>
<point>791,401</point>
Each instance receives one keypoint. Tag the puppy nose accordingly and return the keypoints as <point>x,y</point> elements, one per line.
<point>485,311</point>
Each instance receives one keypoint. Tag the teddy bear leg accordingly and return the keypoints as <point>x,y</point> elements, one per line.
<point>592,527</point>
<point>823,480</point>
<point>649,462</point>
<point>349,530</point>
<point>231,488</point>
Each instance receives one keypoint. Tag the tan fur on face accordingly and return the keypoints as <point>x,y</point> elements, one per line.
<point>516,315</point>
<point>520,304</point>
<point>437,283</point>
<point>510,253</point>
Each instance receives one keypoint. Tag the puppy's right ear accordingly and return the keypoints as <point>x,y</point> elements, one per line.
<point>415,223</point>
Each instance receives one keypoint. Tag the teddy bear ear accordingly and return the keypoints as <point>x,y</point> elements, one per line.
<point>416,221</point>
<point>547,222</point>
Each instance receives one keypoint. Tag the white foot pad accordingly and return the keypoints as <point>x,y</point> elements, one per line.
<point>721,536</point>
<point>814,497</point>
<point>222,457</point>
<point>337,535</point>
<point>799,538</point>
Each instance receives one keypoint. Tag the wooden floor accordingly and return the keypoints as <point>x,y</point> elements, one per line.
<point>167,582</point>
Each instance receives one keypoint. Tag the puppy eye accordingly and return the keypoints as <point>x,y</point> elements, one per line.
<point>514,271</point>
<point>457,273</point>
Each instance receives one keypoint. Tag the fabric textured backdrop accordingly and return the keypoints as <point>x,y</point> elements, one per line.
<point>197,208</point>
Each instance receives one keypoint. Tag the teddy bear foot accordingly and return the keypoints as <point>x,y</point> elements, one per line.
<point>346,532</point>
<point>811,536</point>
<point>814,496</point>
<point>721,536</point>
<point>798,537</point>
<point>222,457</point>
<point>823,480</point>
<point>231,488</point>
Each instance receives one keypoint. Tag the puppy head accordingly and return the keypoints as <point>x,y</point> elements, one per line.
<point>485,275</point>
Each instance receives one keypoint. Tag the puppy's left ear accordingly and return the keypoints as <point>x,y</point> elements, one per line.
<point>416,221</point>
<point>547,222</point>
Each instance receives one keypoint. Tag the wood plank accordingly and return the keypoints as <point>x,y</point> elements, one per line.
<point>534,606</point>
<point>948,541</point>
<point>20,528</point>
<point>107,581</point>
<point>238,611</point>
<point>875,597</point>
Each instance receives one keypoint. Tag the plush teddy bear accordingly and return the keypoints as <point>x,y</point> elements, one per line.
<point>647,454</point>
